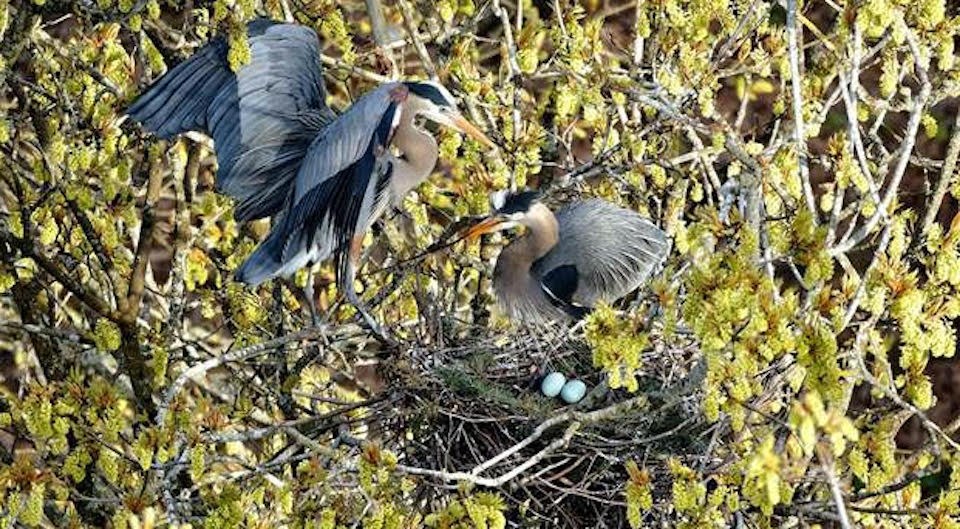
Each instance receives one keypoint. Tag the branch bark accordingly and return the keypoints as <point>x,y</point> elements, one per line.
<point>799,136</point>
<point>410,24</point>
<point>909,141</point>
<point>130,307</point>
<point>947,177</point>
<point>133,362</point>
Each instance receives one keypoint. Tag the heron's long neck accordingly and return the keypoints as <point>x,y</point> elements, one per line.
<point>512,276</point>
<point>542,235</point>
<point>419,150</point>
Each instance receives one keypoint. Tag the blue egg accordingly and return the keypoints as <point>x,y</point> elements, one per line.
<point>573,391</point>
<point>552,384</point>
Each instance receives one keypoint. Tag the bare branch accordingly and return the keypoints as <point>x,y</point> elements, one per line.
<point>947,177</point>
<point>410,24</point>
<point>514,68</point>
<point>378,22</point>
<point>239,355</point>
<point>130,307</point>
<point>576,418</point>
<point>862,287</point>
<point>830,472</point>
<point>799,136</point>
<point>505,478</point>
<point>909,141</point>
<point>354,70</point>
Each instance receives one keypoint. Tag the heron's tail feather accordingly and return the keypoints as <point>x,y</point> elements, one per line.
<point>283,253</point>
<point>260,266</point>
<point>311,229</point>
<point>270,260</point>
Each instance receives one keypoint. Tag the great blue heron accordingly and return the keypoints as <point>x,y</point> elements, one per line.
<point>283,152</point>
<point>564,264</point>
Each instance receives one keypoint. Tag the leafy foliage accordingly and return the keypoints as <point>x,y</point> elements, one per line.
<point>802,159</point>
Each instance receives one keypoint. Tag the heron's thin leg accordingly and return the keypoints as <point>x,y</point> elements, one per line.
<point>351,293</point>
<point>311,299</point>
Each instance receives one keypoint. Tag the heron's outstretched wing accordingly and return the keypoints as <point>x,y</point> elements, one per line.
<point>340,189</point>
<point>612,250</point>
<point>262,119</point>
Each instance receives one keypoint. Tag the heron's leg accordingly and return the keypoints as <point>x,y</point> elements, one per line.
<point>353,258</point>
<point>311,298</point>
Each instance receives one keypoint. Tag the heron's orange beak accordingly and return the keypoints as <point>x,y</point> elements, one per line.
<point>488,225</point>
<point>469,129</point>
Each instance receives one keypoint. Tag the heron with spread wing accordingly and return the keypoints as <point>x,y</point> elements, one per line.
<point>564,264</point>
<point>283,153</point>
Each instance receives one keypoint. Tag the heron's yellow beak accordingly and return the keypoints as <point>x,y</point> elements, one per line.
<point>464,126</point>
<point>488,225</point>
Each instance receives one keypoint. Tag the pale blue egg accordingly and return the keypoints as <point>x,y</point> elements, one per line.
<point>552,384</point>
<point>573,391</point>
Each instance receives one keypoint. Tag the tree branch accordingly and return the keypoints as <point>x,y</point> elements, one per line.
<point>87,296</point>
<point>909,140</point>
<point>410,24</point>
<point>238,355</point>
<point>799,136</point>
<point>947,177</point>
<point>131,306</point>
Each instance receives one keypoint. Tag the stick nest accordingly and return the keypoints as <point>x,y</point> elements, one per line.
<point>472,412</point>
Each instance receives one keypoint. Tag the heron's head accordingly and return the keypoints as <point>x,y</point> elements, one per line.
<point>439,106</point>
<point>510,210</point>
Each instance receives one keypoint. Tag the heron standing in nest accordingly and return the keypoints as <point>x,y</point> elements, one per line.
<point>283,153</point>
<point>565,263</point>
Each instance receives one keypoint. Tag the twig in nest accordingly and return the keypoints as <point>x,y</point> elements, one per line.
<point>576,418</point>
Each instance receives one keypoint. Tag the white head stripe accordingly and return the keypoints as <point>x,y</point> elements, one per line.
<point>498,199</point>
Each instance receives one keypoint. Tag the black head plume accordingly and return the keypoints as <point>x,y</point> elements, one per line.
<point>433,92</point>
<point>519,202</point>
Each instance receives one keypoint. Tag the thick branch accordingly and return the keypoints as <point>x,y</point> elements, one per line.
<point>131,307</point>
<point>378,22</point>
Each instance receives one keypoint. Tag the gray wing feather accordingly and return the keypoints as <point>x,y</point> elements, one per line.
<point>311,231</point>
<point>615,250</point>
<point>344,141</point>
<point>262,119</point>
<point>340,189</point>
